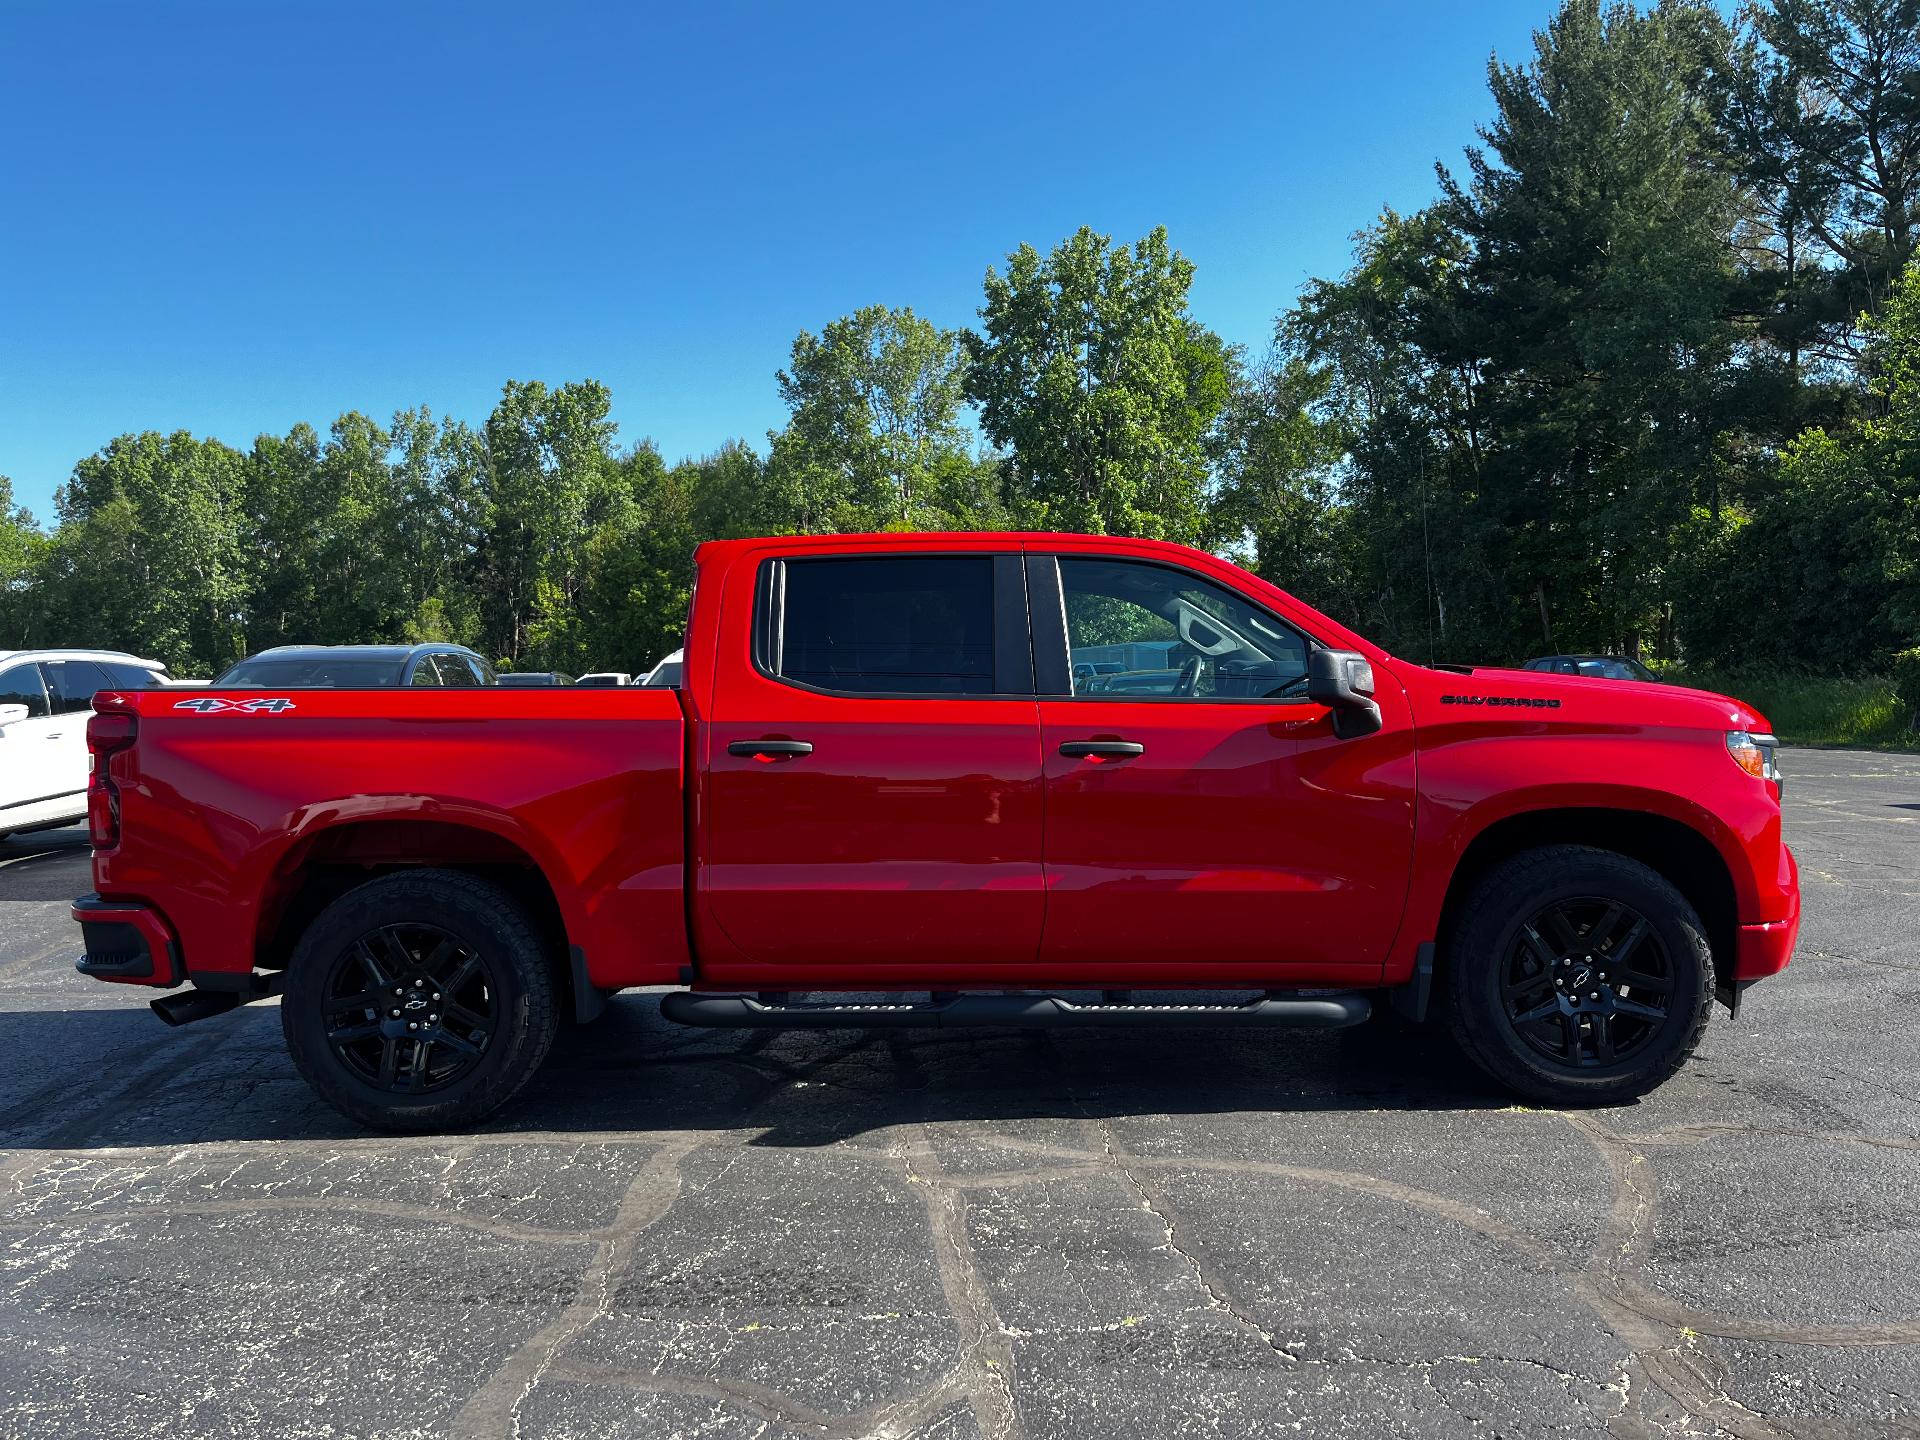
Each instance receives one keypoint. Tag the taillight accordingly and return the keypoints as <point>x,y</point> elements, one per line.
<point>107,736</point>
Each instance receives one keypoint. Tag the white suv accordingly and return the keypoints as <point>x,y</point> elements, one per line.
<point>45,698</point>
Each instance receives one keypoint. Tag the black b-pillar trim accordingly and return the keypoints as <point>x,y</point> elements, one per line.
<point>1052,675</point>
<point>1012,651</point>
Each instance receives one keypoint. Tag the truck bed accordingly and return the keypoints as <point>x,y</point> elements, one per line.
<point>227,796</point>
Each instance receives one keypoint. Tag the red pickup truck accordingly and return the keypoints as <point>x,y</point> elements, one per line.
<point>913,780</point>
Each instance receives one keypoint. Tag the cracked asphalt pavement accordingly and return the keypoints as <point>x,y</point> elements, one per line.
<point>981,1234</point>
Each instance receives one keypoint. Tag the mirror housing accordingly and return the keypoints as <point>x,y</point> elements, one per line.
<point>1342,680</point>
<point>12,714</point>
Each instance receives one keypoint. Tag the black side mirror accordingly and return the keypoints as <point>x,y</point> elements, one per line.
<point>1342,680</point>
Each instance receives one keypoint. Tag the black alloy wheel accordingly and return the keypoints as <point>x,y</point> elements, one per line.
<point>410,1009</point>
<point>1587,983</point>
<point>421,1000</point>
<point>1575,975</point>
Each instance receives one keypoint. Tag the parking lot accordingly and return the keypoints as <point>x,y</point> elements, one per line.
<point>980,1233</point>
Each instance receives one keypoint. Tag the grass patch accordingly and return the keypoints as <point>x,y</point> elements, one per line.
<point>1860,711</point>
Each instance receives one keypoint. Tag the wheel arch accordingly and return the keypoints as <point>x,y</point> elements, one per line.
<point>328,861</point>
<point>1683,856</point>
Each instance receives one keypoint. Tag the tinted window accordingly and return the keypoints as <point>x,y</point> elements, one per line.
<point>73,684</point>
<point>20,685</point>
<point>131,677</point>
<point>454,671</point>
<point>1608,669</point>
<point>919,625</point>
<point>424,673</point>
<point>1136,629</point>
<point>318,672</point>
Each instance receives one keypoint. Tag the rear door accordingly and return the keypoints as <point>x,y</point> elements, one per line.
<point>873,789</point>
<point>1204,824</point>
<point>71,686</point>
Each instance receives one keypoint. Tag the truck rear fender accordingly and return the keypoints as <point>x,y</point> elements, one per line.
<point>328,858</point>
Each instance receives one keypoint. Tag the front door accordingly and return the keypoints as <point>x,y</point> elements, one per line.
<point>1204,825</point>
<point>872,803</point>
<point>39,778</point>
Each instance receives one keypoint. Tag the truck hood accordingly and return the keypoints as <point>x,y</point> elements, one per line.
<point>1490,691</point>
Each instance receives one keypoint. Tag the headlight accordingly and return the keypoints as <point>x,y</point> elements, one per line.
<point>1758,755</point>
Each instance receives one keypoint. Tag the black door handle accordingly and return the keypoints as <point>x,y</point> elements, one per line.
<point>1079,749</point>
<point>770,747</point>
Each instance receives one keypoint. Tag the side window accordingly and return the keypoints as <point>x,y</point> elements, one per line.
<point>20,685</point>
<point>1137,629</point>
<point>131,677</point>
<point>1564,666</point>
<point>424,673</point>
<point>883,625</point>
<point>72,684</point>
<point>482,672</point>
<point>453,671</point>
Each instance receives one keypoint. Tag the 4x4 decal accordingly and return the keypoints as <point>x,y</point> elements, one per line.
<point>215,705</point>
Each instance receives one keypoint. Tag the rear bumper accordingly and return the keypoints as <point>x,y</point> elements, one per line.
<point>1763,950</point>
<point>127,943</point>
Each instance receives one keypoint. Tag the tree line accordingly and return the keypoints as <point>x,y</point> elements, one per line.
<point>1644,377</point>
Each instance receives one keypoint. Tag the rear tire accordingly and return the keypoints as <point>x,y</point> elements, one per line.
<point>419,1001</point>
<point>1577,976</point>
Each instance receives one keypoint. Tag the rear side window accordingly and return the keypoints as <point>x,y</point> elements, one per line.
<point>424,673</point>
<point>884,625</point>
<point>454,671</point>
<point>131,677</point>
<point>20,685</point>
<point>73,683</point>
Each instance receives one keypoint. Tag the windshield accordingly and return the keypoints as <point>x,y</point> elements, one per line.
<point>316,672</point>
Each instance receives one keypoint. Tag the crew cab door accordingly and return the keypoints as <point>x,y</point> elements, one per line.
<point>71,686</point>
<point>30,768</point>
<point>872,787</point>
<point>1204,824</point>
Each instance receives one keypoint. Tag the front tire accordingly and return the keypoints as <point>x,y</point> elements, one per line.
<point>1577,976</point>
<point>419,1001</point>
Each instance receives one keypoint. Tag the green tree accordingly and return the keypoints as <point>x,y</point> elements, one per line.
<point>551,478</point>
<point>1825,574</point>
<point>149,555</point>
<point>875,428</point>
<point>1596,307</point>
<point>1831,92</point>
<point>1090,372</point>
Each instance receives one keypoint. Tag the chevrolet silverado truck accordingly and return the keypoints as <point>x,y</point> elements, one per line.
<point>893,789</point>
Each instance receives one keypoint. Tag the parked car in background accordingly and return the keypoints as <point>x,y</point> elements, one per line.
<point>605,679</point>
<point>358,667</point>
<point>530,679</point>
<point>1597,667</point>
<point>45,698</point>
<point>665,675</point>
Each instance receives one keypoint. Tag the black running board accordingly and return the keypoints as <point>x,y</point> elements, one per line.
<point>1025,1012</point>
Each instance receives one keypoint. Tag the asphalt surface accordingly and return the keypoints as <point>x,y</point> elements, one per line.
<point>961,1234</point>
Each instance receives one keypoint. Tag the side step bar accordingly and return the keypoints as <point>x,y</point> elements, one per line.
<point>1025,1012</point>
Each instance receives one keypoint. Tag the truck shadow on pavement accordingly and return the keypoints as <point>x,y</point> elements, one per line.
<point>113,1077</point>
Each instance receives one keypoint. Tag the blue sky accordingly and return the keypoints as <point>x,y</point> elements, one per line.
<point>231,217</point>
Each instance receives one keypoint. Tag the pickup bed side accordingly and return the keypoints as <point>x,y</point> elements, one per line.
<point>237,825</point>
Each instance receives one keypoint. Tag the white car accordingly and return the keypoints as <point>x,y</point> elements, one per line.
<point>666,673</point>
<point>604,679</point>
<point>45,698</point>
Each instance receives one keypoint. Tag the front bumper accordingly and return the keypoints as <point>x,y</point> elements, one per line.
<point>1764,949</point>
<point>127,943</point>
